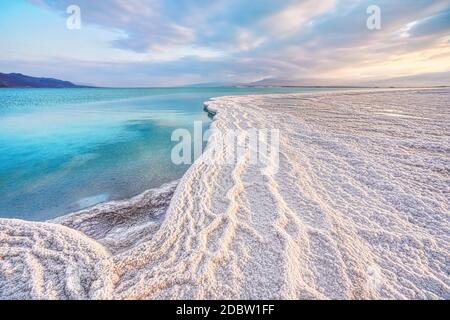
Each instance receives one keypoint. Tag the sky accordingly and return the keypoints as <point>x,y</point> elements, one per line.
<point>139,43</point>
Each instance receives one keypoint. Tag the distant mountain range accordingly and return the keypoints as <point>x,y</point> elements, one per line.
<point>306,82</point>
<point>438,79</point>
<point>17,80</point>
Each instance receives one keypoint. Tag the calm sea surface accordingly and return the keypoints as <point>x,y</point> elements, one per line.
<point>62,150</point>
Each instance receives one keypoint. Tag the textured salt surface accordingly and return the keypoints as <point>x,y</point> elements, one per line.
<point>47,261</point>
<point>358,209</point>
<point>121,225</point>
<point>54,261</point>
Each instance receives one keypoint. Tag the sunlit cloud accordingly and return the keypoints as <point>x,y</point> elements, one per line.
<point>293,17</point>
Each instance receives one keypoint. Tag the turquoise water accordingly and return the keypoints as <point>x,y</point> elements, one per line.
<point>62,150</point>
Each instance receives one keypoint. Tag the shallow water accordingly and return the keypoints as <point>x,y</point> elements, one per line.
<point>62,150</point>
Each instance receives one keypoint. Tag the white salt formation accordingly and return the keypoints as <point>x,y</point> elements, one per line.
<point>46,261</point>
<point>359,209</point>
<point>121,225</point>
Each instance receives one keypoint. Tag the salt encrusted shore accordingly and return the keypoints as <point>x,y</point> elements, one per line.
<point>358,209</point>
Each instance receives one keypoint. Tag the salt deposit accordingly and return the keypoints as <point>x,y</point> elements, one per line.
<point>357,208</point>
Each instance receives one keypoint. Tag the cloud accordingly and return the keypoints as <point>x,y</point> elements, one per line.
<point>433,25</point>
<point>291,18</point>
<point>146,23</point>
<point>238,40</point>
